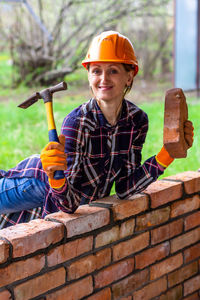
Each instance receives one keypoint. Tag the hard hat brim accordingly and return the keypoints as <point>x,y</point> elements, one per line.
<point>85,62</point>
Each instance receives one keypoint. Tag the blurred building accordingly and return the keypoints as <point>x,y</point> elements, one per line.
<point>187,44</point>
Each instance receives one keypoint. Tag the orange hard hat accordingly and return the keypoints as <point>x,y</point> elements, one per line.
<point>111,46</point>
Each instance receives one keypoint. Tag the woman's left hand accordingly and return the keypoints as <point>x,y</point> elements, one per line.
<point>188,133</point>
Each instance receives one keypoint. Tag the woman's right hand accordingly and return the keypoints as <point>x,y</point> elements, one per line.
<point>53,158</point>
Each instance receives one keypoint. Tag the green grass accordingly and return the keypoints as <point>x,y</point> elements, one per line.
<point>24,132</point>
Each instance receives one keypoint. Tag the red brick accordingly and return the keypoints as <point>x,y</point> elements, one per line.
<point>166,232</point>
<point>102,295</point>
<point>126,208</point>
<point>152,255</point>
<point>40,284</point>
<point>153,218</point>
<point>107,201</point>
<point>21,269</point>
<point>192,285</point>
<point>127,228</point>
<point>5,295</point>
<point>166,266</point>
<point>75,291</point>
<point>191,181</point>
<point>85,219</point>
<point>89,264</point>
<point>37,233</point>
<point>176,113</point>
<point>193,297</point>
<point>184,206</point>
<point>162,192</point>
<point>115,233</point>
<point>4,251</point>
<point>192,221</point>
<point>173,294</point>
<point>151,290</point>
<point>69,250</point>
<point>131,246</point>
<point>107,237</point>
<point>127,285</point>
<point>103,258</point>
<point>182,274</point>
<point>114,272</point>
<point>192,253</point>
<point>81,267</point>
<point>185,240</point>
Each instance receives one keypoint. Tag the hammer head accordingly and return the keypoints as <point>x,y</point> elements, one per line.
<point>45,94</point>
<point>31,100</point>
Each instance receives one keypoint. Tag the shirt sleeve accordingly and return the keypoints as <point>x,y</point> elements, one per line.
<point>135,177</point>
<point>69,198</point>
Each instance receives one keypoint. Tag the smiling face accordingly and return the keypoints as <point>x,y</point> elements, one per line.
<point>109,80</point>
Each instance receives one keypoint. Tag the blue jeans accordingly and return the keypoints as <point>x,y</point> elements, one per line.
<point>17,194</point>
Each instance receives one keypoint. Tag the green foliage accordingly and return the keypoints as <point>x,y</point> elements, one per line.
<point>39,60</point>
<point>78,77</point>
<point>5,70</point>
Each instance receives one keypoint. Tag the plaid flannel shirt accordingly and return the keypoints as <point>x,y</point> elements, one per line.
<point>98,155</point>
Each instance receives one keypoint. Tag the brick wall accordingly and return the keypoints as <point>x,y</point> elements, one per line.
<point>146,247</point>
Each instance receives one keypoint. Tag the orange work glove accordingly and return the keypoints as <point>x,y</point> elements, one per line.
<point>163,158</point>
<point>53,158</point>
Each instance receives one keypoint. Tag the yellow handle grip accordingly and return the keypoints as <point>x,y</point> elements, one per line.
<point>50,117</point>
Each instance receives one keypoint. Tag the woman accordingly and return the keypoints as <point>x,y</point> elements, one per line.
<point>101,143</point>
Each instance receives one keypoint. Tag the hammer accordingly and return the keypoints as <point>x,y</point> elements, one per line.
<point>47,96</point>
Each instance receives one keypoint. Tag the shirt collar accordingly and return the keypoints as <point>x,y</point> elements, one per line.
<point>128,111</point>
